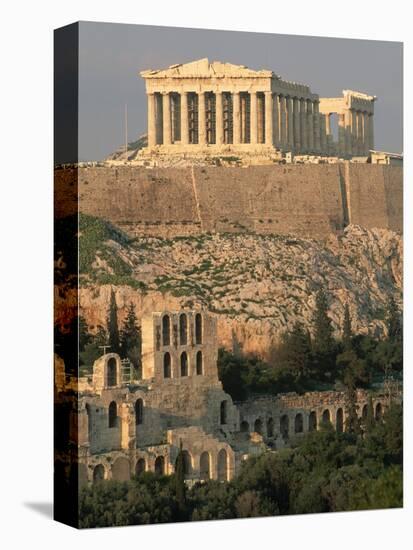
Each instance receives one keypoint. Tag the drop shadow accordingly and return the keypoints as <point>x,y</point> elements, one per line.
<point>43,508</point>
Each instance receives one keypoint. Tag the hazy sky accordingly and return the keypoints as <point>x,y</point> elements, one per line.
<point>111,56</point>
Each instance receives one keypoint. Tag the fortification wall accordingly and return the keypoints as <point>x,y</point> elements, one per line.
<point>303,200</point>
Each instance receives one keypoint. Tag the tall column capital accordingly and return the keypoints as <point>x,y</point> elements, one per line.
<point>184,119</point>
<point>201,119</point>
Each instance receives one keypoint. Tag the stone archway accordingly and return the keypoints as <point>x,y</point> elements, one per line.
<point>222,465</point>
<point>205,466</point>
<point>121,469</point>
<point>98,474</point>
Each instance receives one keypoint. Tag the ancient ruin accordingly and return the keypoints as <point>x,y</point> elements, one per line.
<point>218,108</point>
<point>122,426</point>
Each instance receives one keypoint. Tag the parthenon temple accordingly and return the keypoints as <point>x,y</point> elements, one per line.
<point>203,106</point>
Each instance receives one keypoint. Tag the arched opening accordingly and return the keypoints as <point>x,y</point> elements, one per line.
<point>167,371</point>
<point>112,372</point>
<point>113,415</point>
<point>98,474</point>
<point>312,421</point>
<point>166,330</point>
<point>258,426</point>
<point>139,411</point>
<point>204,466</point>
<point>270,427</point>
<point>121,469</point>
<point>379,412</point>
<point>89,422</point>
<point>184,364</point>
<point>183,329</point>
<point>140,467</point>
<point>199,365</point>
<point>222,465</point>
<point>160,466</point>
<point>339,420</point>
<point>223,412</point>
<point>198,328</point>
<point>187,461</point>
<point>364,412</point>
<point>298,424</point>
<point>284,426</point>
<point>244,426</point>
<point>326,417</point>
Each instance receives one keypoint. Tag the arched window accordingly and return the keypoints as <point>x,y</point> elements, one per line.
<point>184,364</point>
<point>284,426</point>
<point>244,427</point>
<point>258,426</point>
<point>89,421</point>
<point>312,421</point>
<point>270,427</point>
<point>364,412</point>
<point>167,365</point>
<point>379,412</point>
<point>187,460</point>
<point>298,423</point>
<point>140,467</point>
<point>166,330</point>
<point>160,466</point>
<point>98,474</point>
<point>183,329</point>
<point>222,465</point>
<point>199,365</point>
<point>204,466</point>
<point>339,420</point>
<point>112,372</point>
<point>223,413</point>
<point>198,328</point>
<point>139,411</point>
<point>326,416</point>
<point>113,415</point>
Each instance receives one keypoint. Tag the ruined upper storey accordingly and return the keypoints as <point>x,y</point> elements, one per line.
<point>205,105</point>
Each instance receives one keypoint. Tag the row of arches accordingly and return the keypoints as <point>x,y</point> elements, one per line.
<point>113,413</point>
<point>298,422</point>
<point>183,329</point>
<point>121,471</point>
<point>183,364</point>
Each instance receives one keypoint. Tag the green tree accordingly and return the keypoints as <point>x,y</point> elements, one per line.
<point>294,355</point>
<point>180,480</point>
<point>323,342</point>
<point>347,332</point>
<point>130,337</point>
<point>112,323</point>
<point>393,320</point>
<point>84,336</point>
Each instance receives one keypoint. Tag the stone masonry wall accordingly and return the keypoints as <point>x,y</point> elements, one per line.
<point>304,200</point>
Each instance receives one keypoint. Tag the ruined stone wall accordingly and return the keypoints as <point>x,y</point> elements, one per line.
<point>305,200</point>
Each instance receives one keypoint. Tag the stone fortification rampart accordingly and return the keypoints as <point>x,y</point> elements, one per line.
<point>303,200</point>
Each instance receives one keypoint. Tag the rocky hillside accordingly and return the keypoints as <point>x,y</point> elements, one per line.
<point>257,285</point>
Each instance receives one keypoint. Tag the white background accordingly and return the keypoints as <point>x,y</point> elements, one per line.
<point>26,272</point>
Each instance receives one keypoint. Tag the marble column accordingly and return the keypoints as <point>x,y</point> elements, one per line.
<point>347,129</point>
<point>297,131</point>
<point>303,117</point>
<point>371,132</point>
<point>290,122</point>
<point>323,135</point>
<point>283,122</point>
<point>276,120</point>
<point>201,119</point>
<point>236,121</point>
<point>253,117</point>
<point>359,133</point>
<point>184,119</point>
<point>316,122</point>
<point>268,119</point>
<point>166,108</point>
<point>151,120</point>
<point>310,126</point>
<point>329,137</point>
<point>353,132</point>
<point>366,133</point>
<point>341,135</point>
<point>219,121</point>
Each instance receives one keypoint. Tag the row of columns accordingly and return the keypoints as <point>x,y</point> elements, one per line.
<point>286,122</point>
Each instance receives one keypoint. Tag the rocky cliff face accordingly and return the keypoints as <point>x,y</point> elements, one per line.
<point>257,285</point>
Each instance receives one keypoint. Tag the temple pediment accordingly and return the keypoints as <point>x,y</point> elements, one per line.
<point>203,68</point>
